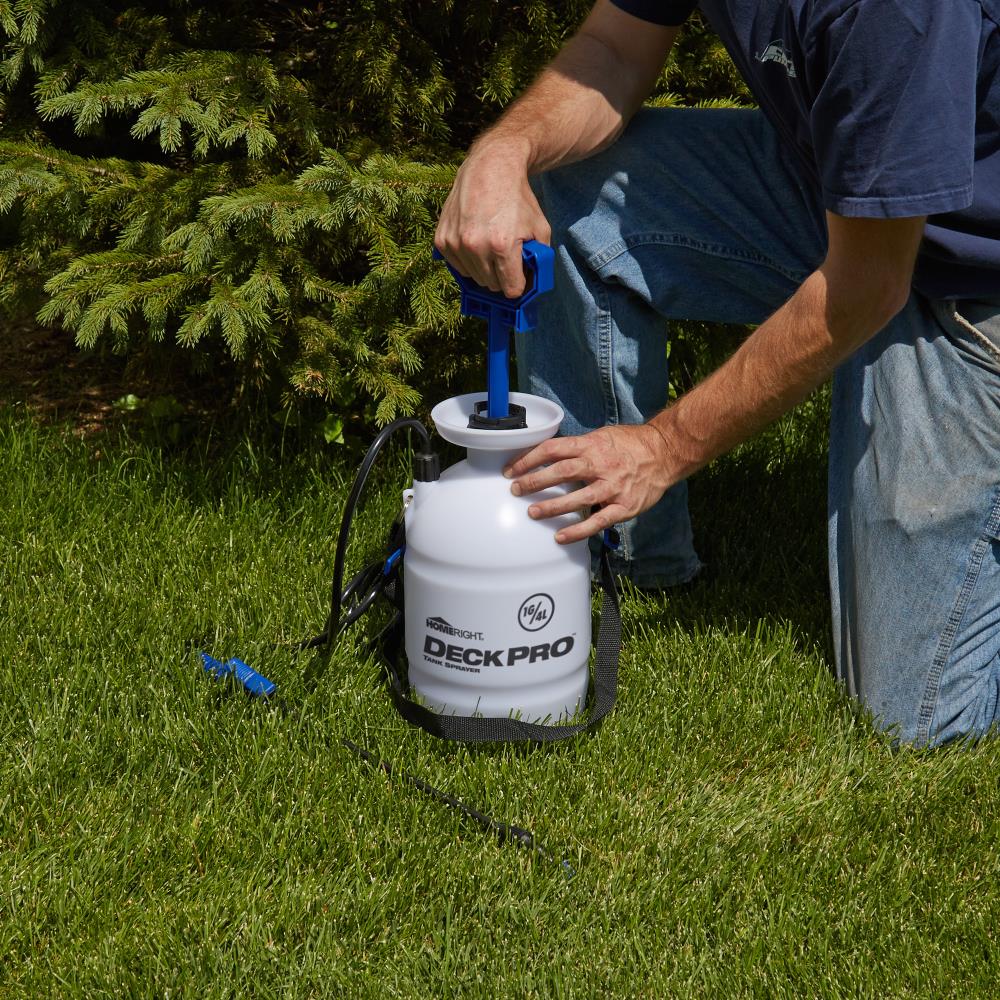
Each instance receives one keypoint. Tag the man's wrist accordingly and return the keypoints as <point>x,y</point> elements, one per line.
<point>664,449</point>
<point>678,458</point>
<point>507,144</point>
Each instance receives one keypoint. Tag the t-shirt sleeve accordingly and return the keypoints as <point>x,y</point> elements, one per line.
<point>893,121</point>
<point>667,12</point>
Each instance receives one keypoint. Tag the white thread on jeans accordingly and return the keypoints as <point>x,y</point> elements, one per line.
<point>977,333</point>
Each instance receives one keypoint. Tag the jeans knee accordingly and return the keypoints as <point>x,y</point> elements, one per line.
<point>582,203</point>
<point>962,704</point>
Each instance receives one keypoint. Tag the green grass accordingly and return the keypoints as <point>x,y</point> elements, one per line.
<point>736,828</point>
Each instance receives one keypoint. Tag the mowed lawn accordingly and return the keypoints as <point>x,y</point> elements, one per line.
<point>736,829</point>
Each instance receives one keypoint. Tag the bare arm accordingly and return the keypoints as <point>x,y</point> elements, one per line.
<point>584,98</point>
<point>578,105</point>
<point>862,284</point>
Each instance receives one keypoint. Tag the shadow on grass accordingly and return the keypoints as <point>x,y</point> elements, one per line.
<point>759,519</point>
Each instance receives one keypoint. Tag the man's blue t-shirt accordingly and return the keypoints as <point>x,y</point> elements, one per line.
<point>892,108</point>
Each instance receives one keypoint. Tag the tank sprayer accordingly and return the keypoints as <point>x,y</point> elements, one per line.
<point>490,639</point>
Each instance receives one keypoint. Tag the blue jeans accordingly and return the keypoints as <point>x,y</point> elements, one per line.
<point>701,215</point>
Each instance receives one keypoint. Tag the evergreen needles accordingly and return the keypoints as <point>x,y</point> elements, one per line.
<point>261,178</point>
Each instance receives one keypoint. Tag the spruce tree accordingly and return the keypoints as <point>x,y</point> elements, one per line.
<point>264,178</point>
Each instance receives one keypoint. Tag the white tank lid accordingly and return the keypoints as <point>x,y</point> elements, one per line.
<point>451,418</point>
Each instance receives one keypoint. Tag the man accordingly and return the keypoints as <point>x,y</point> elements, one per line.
<point>856,218</point>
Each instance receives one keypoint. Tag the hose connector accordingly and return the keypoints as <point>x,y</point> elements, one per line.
<point>426,467</point>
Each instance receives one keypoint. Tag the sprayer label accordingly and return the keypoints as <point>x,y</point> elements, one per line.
<point>440,625</point>
<point>469,656</point>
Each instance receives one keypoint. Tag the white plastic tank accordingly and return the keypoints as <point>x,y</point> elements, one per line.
<point>497,613</point>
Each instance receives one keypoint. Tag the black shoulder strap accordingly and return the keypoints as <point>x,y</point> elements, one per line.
<point>475,729</point>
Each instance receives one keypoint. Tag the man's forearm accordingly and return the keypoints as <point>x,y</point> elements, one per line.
<point>774,369</point>
<point>624,469</point>
<point>578,105</point>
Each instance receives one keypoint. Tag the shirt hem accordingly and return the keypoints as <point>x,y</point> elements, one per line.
<point>900,206</point>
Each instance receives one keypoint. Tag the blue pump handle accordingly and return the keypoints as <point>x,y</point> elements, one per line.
<point>503,314</point>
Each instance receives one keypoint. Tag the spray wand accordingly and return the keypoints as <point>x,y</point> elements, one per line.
<point>506,832</point>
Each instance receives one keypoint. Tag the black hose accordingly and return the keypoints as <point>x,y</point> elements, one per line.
<point>505,832</point>
<point>368,578</point>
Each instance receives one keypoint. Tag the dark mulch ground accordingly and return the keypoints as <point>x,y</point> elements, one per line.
<point>43,370</point>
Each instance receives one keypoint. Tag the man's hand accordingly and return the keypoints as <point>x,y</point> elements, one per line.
<point>624,470</point>
<point>489,213</point>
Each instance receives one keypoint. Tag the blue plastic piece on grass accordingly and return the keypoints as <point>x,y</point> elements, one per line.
<point>256,684</point>
<point>214,666</point>
<point>503,314</point>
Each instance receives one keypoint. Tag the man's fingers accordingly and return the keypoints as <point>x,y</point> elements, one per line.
<point>548,451</point>
<point>579,499</point>
<point>480,268</point>
<point>570,470</point>
<point>490,262</point>
<point>510,273</point>
<point>465,262</point>
<point>469,256</point>
<point>593,525</point>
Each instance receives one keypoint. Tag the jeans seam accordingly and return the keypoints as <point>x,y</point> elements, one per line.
<point>947,640</point>
<point>607,365</point>
<point>606,357</point>
<point>618,247</point>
